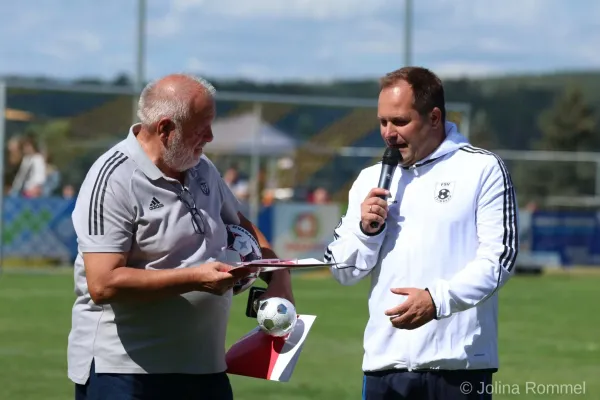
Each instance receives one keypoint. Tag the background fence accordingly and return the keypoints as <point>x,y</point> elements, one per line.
<point>289,159</point>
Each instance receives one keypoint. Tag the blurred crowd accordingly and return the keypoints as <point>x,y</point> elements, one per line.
<point>241,186</point>
<point>29,172</point>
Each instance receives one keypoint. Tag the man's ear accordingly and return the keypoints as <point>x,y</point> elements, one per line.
<point>164,128</point>
<point>435,117</point>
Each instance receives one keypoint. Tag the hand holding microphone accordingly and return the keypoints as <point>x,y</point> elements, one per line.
<point>373,210</point>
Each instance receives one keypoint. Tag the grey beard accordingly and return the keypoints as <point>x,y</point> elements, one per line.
<point>178,157</point>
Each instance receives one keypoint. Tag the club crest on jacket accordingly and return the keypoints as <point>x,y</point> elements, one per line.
<point>443,191</point>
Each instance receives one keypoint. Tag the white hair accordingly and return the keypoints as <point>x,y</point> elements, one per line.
<point>152,106</point>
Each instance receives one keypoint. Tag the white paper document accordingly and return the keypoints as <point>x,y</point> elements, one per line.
<point>273,264</point>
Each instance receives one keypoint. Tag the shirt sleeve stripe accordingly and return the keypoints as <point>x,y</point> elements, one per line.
<point>510,237</point>
<point>96,208</point>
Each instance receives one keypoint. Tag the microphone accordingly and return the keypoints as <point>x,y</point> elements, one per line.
<point>390,160</point>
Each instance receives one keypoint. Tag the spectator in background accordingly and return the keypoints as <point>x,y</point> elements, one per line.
<point>238,186</point>
<point>319,196</point>
<point>14,155</point>
<point>525,225</point>
<point>52,183</point>
<point>68,192</point>
<point>31,175</point>
<point>231,175</point>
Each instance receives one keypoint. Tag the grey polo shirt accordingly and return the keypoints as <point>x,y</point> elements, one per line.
<point>127,205</point>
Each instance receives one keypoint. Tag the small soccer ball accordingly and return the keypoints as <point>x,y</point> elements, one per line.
<point>276,316</point>
<point>241,247</point>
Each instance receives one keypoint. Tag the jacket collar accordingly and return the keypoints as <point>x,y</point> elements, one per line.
<point>454,140</point>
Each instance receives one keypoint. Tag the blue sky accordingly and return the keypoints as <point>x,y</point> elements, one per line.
<point>274,40</point>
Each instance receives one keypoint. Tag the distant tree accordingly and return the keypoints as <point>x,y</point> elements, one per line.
<point>121,79</point>
<point>514,114</point>
<point>569,125</point>
<point>481,132</point>
<point>88,81</point>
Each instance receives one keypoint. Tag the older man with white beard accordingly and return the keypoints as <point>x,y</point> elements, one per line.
<point>153,296</point>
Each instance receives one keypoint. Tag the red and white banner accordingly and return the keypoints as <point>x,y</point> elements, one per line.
<point>259,355</point>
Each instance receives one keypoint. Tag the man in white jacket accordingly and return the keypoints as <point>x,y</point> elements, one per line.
<point>446,242</point>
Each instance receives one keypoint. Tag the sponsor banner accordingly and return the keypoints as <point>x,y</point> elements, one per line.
<point>303,230</point>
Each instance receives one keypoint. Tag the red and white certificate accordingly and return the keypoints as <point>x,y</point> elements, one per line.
<point>259,355</point>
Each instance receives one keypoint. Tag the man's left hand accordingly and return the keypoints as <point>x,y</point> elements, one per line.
<point>415,311</point>
<point>280,286</point>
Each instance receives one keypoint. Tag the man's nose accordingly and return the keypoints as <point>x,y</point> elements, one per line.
<point>389,133</point>
<point>209,135</point>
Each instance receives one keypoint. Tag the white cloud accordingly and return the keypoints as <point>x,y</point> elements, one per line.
<point>28,21</point>
<point>514,12</point>
<point>255,71</point>
<point>193,64</point>
<point>69,45</point>
<point>367,38</point>
<point>87,41</point>
<point>459,69</point>
<point>373,46</point>
<point>184,5</point>
<point>58,52</point>
<point>495,45</point>
<point>587,52</point>
<point>165,26</point>
<point>288,9</point>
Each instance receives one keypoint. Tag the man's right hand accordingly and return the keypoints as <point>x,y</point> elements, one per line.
<point>217,277</point>
<point>373,208</point>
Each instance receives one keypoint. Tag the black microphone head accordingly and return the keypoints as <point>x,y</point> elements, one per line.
<point>391,156</point>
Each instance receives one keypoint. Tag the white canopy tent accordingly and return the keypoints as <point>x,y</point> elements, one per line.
<point>248,134</point>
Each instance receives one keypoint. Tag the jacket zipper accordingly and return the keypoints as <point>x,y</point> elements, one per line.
<point>415,170</point>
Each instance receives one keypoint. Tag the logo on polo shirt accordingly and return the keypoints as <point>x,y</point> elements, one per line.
<point>154,204</point>
<point>204,188</point>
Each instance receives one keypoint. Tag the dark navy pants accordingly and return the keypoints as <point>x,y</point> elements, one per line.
<point>154,387</point>
<point>428,385</point>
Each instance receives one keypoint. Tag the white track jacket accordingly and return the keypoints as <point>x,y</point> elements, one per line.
<point>452,228</point>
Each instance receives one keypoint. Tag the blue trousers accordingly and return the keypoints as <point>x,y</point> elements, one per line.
<point>154,387</point>
<point>428,385</point>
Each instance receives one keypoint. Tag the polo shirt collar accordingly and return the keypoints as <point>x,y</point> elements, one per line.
<point>140,157</point>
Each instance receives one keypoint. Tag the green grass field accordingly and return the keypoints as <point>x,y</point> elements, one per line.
<point>549,334</point>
